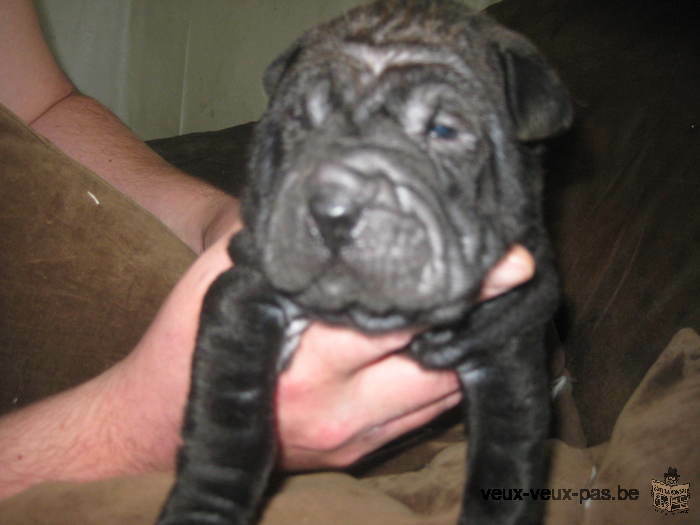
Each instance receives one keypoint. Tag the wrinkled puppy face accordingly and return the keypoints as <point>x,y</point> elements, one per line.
<point>389,173</point>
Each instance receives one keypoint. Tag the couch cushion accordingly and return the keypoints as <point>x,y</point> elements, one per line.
<point>83,269</point>
<point>657,429</point>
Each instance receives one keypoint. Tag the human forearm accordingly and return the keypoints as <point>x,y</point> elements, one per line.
<point>127,419</point>
<point>66,437</point>
<point>91,134</point>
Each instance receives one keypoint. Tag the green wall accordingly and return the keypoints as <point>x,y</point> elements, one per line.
<point>168,67</point>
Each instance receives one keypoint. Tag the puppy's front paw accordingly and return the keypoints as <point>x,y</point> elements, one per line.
<point>440,348</point>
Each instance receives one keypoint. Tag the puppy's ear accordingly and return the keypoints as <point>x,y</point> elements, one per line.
<point>538,101</point>
<point>280,65</point>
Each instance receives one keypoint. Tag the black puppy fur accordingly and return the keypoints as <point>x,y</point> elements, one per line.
<point>396,163</point>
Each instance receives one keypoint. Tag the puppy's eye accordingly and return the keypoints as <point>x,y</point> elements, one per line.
<point>442,132</point>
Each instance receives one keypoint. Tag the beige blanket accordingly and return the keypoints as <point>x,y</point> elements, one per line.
<point>609,484</point>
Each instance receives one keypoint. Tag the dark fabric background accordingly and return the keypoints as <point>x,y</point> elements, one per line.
<point>624,185</point>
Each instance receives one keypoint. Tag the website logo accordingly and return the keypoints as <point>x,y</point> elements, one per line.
<point>670,496</point>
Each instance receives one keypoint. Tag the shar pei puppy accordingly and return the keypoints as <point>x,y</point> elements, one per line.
<point>396,163</point>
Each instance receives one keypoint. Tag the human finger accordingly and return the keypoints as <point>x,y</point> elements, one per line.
<point>513,269</point>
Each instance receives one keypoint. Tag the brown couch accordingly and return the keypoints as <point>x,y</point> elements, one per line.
<point>622,205</point>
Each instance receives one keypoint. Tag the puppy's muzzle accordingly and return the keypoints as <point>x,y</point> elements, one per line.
<point>337,196</point>
<point>360,228</point>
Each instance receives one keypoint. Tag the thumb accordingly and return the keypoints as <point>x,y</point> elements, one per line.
<point>513,269</point>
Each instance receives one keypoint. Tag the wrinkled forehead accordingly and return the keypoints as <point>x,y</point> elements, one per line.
<point>374,60</point>
<point>344,73</point>
<point>367,63</point>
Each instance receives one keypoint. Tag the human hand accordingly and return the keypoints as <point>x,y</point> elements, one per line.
<point>344,395</point>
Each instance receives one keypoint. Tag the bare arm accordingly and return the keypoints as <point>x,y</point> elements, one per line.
<point>87,131</point>
<point>33,86</point>
<point>333,406</point>
<point>127,420</point>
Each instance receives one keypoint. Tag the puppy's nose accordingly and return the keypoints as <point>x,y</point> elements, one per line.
<point>335,215</point>
<point>335,202</point>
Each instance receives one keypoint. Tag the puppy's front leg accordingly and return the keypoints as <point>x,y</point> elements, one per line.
<point>229,435</point>
<point>507,407</point>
